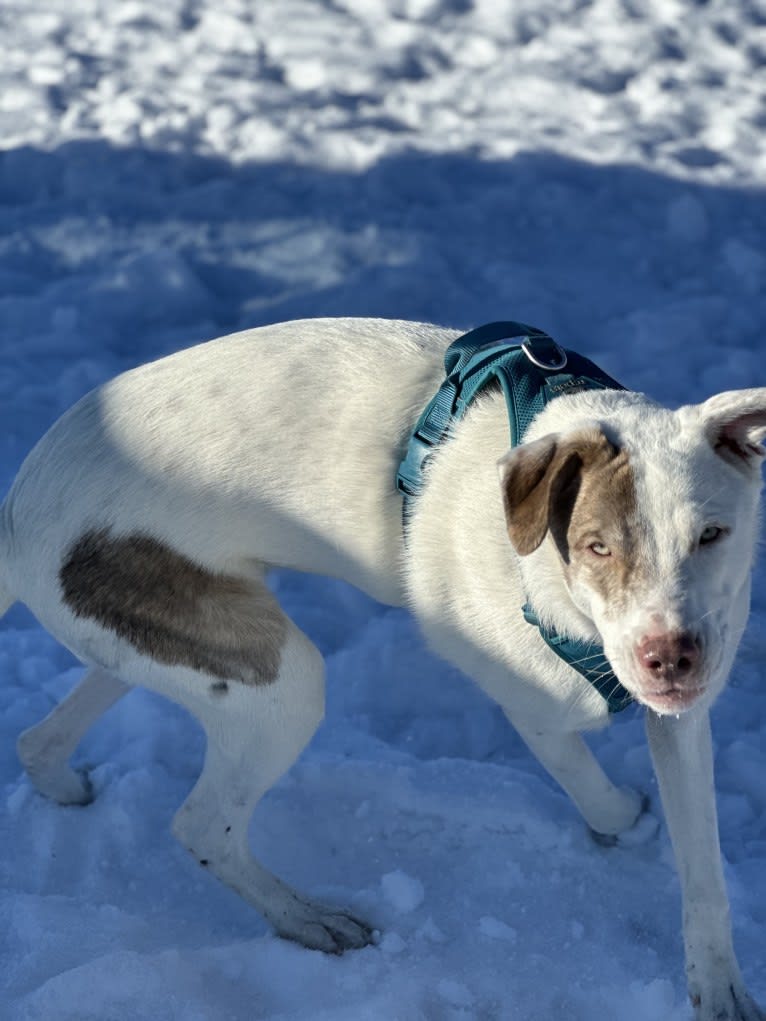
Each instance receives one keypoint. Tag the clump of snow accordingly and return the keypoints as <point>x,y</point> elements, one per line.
<point>404,893</point>
<point>495,929</point>
<point>455,993</point>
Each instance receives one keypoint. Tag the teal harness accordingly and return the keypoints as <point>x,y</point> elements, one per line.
<point>532,370</point>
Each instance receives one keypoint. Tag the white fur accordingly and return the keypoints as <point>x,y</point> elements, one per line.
<point>279,447</point>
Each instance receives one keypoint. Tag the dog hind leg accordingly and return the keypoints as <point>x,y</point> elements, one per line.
<point>254,734</point>
<point>45,749</point>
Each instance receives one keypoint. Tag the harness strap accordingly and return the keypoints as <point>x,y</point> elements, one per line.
<point>588,659</point>
<point>532,370</point>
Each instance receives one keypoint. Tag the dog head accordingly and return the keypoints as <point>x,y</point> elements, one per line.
<point>653,516</point>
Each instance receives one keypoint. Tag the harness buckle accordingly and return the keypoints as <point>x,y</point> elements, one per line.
<point>545,353</point>
<point>408,478</point>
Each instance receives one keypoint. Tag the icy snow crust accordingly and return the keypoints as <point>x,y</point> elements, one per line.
<point>173,171</point>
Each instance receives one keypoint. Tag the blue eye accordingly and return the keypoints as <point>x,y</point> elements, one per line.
<point>600,549</point>
<point>710,535</point>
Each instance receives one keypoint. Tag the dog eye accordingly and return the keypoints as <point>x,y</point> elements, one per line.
<point>710,534</point>
<point>600,549</point>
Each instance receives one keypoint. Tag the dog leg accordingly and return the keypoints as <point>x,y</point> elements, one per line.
<point>607,809</point>
<point>254,734</point>
<point>683,761</point>
<point>45,749</point>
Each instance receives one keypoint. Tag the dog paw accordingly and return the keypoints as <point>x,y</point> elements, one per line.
<point>338,933</point>
<point>48,770</point>
<point>64,786</point>
<point>324,929</point>
<point>728,1004</point>
<point>643,830</point>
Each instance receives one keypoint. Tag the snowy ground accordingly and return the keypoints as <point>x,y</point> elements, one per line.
<point>172,171</point>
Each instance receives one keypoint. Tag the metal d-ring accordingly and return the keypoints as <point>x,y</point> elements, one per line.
<point>551,364</point>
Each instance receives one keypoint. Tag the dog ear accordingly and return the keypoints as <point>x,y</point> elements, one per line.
<point>735,424</point>
<point>525,478</point>
<point>540,478</point>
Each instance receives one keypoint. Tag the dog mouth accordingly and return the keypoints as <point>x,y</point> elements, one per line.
<point>671,700</point>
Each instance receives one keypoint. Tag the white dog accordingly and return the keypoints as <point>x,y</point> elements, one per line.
<point>140,528</point>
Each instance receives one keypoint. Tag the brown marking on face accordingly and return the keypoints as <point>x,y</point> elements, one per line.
<point>541,481</point>
<point>582,489</point>
<point>605,511</point>
<point>173,610</point>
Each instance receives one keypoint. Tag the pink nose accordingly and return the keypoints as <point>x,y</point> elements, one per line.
<point>670,658</point>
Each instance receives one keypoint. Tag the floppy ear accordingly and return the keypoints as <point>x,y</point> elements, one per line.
<point>538,476</point>
<point>526,473</point>
<point>735,424</point>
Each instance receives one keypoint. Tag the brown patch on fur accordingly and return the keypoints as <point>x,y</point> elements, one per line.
<point>606,511</point>
<point>541,484</point>
<point>528,476</point>
<point>173,610</point>
<point>582,489</point>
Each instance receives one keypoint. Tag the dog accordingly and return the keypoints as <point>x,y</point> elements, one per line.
<point>140,528</point>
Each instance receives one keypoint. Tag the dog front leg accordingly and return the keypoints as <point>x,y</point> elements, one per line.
<point>608,810</point>
<point>683,761</point>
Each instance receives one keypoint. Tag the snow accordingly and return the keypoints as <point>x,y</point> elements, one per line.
<point>404,893</point>
<point>171,172</point>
